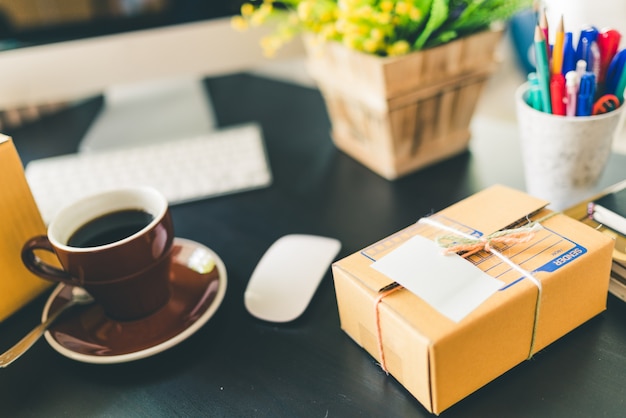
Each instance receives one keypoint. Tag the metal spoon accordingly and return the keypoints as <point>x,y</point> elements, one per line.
<point>79,297</point>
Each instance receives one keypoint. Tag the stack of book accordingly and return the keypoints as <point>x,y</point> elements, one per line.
<point>617,286</point>
<point>607,213</point>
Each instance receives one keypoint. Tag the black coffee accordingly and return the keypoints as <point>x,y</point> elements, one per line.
<point>110,228</point>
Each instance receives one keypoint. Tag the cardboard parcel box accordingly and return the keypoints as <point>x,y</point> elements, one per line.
<point>455,324</point>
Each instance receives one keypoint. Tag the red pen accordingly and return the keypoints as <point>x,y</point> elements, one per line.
<point>557,94</point>
<point>608,42</point>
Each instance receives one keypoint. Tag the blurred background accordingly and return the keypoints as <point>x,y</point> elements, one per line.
<point>28,23</point>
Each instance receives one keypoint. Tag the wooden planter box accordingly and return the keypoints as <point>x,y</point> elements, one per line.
<point>396,115</point>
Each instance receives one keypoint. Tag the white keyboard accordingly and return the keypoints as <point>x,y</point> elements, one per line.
<point>222,162</point>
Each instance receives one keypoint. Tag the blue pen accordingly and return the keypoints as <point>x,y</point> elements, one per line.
<point>586,93</point>
<point>588,35</point>
<point>621,86</point>
<point>614,72</point>
<point>569,54</point>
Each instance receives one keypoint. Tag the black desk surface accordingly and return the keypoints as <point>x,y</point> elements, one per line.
<point>236,365</point>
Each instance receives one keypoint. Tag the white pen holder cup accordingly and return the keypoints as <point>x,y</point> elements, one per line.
<point>564,156</point>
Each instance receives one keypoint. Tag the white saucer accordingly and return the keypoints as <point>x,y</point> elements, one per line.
<point>197,285</point>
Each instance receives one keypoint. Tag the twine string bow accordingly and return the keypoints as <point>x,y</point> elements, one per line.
<point>469,244</point>
<point>522,234</point>
<point>460,242</point>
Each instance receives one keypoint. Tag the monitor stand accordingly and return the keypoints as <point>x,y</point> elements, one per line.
<point>150,112</point>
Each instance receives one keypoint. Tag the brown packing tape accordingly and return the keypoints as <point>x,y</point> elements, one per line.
<point>20,221</point>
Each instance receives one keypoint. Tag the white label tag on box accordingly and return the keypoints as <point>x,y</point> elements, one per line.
<point>449,283</point>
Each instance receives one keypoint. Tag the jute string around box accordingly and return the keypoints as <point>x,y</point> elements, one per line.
<point>459,241</point>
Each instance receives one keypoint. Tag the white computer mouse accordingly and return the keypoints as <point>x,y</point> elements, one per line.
<point>287,276</point>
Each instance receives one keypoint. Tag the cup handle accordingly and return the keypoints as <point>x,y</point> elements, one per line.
<point>37,266</point>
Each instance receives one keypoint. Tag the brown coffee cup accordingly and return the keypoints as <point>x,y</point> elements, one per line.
<point>116,244</point>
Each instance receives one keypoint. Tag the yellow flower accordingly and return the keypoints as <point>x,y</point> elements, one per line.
<point>266,7</point>
<point>348,4</point>
<point>402,8</point>
<point>247,9</point>
<point>364,12</point>
<point>365,25</point>
<point>415,14</point>
<point>383,18</point>
<point>270,45</point>
<point>351,41</point>
<point>354,29</point>
<point>328,32</point>
<point>370,45</point>
<point>386,6</point>
<point>239,23</point>
<point>257,19</point>
<point>327,16</point>
<point>377,34</point>
<point>398,48</point>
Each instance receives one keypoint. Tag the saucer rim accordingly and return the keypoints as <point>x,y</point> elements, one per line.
<point>157,348</point>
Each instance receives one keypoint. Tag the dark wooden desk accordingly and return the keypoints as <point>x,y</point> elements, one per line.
<point>239,366</point>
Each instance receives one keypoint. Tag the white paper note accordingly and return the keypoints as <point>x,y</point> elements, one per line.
<point>449,283</point>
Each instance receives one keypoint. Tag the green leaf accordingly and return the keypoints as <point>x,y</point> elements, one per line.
<point>438,15</point>
<point>480,13</point>
<point>443,37</point>
<point>423,5</point>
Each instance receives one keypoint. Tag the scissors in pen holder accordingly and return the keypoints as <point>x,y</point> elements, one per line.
<point>605,104</point>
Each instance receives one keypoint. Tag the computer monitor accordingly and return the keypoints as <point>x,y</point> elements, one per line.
<point>147,57</point>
